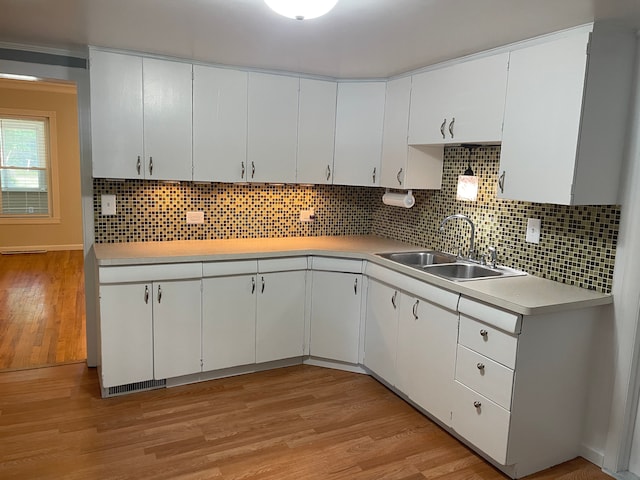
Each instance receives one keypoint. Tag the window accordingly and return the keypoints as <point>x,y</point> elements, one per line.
<point>26,172</point>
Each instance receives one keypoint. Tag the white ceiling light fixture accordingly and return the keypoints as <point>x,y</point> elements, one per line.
<point>301,9</point>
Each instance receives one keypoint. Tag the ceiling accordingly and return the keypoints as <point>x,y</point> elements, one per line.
<point>357,39</point>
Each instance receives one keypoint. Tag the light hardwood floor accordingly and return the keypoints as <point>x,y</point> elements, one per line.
<point>42,312</point>
<point>297,423</point>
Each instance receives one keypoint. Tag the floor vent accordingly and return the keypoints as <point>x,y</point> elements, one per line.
<point>135,387</point>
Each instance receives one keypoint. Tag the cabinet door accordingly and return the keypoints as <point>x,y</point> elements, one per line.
<point>167,90</point>
<point>219,124</point>
<point>228,321</point>
<point>316,131</point>
<point>541,121</point>
<point>116,115</point>
<point>176,328</point>
<point>272,128</point>
<point>395,131</point>
<point>335,315</point>
<point>359,123</point>
<point>427,342</point>
<point>126,334</point>
<point>430,111</point>
<point>280,317</point>
<point>381,330</point>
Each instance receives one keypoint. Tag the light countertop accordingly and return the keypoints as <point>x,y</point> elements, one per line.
<point>527,295</point>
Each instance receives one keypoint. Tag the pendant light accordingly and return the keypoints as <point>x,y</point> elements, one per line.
<point>301,9</point>
<point>468,182</point>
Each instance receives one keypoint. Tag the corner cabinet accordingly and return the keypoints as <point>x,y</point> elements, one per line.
<point>463,103</point>
<point>140,117</point>
<point>566,119</point>
<point>358,141</point>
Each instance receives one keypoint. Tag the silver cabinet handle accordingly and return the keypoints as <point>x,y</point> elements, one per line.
<point>444,124</point>
<point>415,310</point>
<point>253,169</point>
<point>328,172</point>
<point>453,121</point>
<point>355,287</point>
<point>374,174</point>
<point>159,294</point>
<point>150,165</point>
<point>138,165</point>
<point>242,171</point>
<point>484,333</point>
<point>477,404</point>
<point>146,294</point>
<point>393,299</point>
<point>501,181</point>
<point>398,177</point>
<point>262,291</point>
<point>480,366</point>
<point>253,285</point>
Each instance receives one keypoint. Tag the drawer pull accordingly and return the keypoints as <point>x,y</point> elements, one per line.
<point>484,333</point>
<point>477,404</point>
<point>480,366</point>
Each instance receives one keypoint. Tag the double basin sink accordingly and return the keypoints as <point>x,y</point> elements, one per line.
<point>449,266</point>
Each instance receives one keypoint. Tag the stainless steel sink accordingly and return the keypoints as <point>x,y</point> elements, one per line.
<point>463,271</point>
<point>420,259</point>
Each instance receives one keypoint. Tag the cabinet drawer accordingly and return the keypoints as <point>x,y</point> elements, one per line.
<point>149,273</point>
<point>488,341</point>
<point>481,422</point>
<point>489,378</point>
<point>508,321</point>
<point>282,264</point>
<point>226,268</point>
<point>336,265</point>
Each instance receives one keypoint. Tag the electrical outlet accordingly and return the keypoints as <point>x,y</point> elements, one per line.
<point>307,215</point>
<point>195,218</point>
<point>108,204</point>
<point>533,230</point>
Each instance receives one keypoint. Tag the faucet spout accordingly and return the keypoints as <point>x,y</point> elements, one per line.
<point>472,251</point>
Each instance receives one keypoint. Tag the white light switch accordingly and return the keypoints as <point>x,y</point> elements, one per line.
<point>108,204</point>
<point>195,217</point>
<point>307,215</point>
<point>533,230</point>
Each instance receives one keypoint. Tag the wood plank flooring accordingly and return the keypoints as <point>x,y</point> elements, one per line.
<point>297,423</point>
<point>42,309</point>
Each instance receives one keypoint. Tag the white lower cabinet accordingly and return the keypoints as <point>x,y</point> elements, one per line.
<point>176,328</point>
<point>335,315</point>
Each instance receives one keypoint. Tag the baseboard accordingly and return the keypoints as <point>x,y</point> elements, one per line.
<point>592,455</point>
<point>39,248</point>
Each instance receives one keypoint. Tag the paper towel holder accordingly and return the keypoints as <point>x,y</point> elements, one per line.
<point>405,200</point>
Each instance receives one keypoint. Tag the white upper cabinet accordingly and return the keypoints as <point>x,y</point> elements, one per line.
<point>359,123</point>
<point>405,167</point>
<point>565,119</point>
<point>316,131</point>
<point>140,117</point>
<point>219,124</point>
<point>463,103</point>
<point>167,88</point>
<point>272,128</point>
<point>116,115</point>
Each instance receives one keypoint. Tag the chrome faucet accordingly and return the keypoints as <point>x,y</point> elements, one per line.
<point>472,251</point>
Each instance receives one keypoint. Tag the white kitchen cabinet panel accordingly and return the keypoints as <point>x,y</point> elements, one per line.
<point>462,103</point>
<point>402,166</point>
<point>167,88</point>
<point>359,124</point>
<point>116,115</point>
<point>228,321</point>
<point>426,355</point>
<point>177,322</point>
<point>316,131</point>
<point>280,317</point>
<point>272,128</point>
<point>565,119</point>
<point>335,315</point>
<point>219,124</point>
<point>126,334</point>
<point>381,330</point>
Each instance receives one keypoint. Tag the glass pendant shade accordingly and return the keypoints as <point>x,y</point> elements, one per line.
<point>301,9</point>
<point>467,188</point>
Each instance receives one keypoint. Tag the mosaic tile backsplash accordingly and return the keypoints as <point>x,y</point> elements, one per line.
<point>577,244</point>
